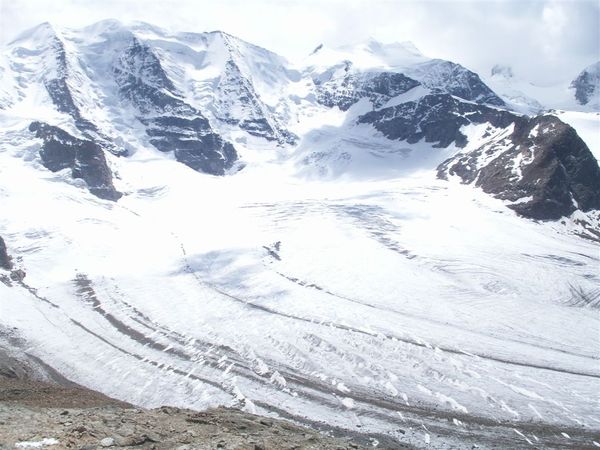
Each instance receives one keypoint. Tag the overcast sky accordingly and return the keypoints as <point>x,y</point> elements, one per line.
<point>544,40</point>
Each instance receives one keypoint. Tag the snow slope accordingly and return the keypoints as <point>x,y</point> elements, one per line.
<point>587,126</point>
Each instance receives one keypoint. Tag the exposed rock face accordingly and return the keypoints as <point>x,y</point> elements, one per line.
<point>454,79</point>
<point>542,165</point>
<point>84,157</point>
<point>5,260</point>
<point>192,144</point>
<point>346,90</point>
<point>172,124</point>
<point>59,90</point>
<point>238,104</point>
<point>587,84</point>
<point>435,118</point>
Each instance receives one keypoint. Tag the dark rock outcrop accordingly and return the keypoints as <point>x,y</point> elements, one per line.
<point>377,87</point>
<point>85,158</point>
<point>192,144</point>
<point>542,167</point>
<point>436,118</point>
<point>5,259</point>
<point>587,84</point>
<point>172,124</point>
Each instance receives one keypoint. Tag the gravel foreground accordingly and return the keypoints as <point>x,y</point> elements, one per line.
<point>39,408</point>
<point>42,415</point>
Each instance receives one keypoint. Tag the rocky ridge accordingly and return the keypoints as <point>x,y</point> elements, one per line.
<point>5,259</point>
<point>541,166</point>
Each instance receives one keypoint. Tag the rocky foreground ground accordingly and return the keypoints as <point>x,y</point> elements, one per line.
<point>41,409</point>
<point>39,414</point>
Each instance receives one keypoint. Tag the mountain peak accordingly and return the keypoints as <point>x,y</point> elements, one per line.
<point>370,54</point>
<point>103,27</point>
<point>41,32</point>
<point>502,70</point>
<point>375,46</point>
<point>587,85</point>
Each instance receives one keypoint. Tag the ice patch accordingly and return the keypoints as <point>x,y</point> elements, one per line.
<point>342,388</point>
<point>450,401</point>
<point>535,410</point>
<point>524,437</point>
<point>348,402</point>
<point>46,442</point>
<point>525,392</point>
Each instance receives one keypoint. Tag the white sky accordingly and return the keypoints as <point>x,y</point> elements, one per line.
<point>544,40</point>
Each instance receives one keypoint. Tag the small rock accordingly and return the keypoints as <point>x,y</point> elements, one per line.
<point>169,410</point>
<point>152,437</point>
<point>17,275</point>
<point>197,418</point>
<point>107,442</point>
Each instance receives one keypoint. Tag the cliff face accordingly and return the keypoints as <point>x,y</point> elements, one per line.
<point>542,167</point>
<point>5,261</point>
<point>84,157</point>
<point>587,85</point>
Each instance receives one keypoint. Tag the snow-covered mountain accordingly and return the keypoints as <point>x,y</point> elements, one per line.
<point>587,86</point>
<point>580,94</point>
<point>367,241</point>
<point>336,69</point>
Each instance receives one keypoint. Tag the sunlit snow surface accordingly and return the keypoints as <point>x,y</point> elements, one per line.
<point>382,304</point>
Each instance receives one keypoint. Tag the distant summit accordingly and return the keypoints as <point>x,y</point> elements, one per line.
<point>587,85</point>
<point>501,70</point>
